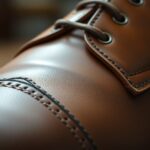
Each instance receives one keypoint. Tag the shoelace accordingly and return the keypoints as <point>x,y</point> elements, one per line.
<point>110,8</point>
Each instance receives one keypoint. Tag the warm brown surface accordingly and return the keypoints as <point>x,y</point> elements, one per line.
<point>80,75</point>
<point>7,51</point>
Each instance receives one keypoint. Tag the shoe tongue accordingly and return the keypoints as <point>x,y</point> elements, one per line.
<point>128,54</point>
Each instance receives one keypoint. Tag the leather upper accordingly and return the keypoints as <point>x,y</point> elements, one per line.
<point>22,129</point>
<point>61,62</point>
<point>128,55</point>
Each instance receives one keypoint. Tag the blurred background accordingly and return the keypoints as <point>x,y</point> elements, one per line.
<point>21,20</point>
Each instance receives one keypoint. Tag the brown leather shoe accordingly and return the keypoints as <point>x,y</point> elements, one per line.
<point>101,76</point>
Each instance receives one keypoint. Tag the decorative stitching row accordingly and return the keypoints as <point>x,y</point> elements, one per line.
<point>29,87</point>
<point>122,71</point>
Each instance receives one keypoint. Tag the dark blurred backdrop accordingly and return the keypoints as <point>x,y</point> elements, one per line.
<point>20,20</point>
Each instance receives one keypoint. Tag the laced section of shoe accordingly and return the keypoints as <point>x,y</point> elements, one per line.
<point>117,16</point>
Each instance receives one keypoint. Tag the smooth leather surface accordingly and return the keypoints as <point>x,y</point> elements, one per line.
<point>115,118</point>
<point>27,125</point>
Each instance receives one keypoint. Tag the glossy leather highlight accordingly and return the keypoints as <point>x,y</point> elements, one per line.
<point>65,68</point>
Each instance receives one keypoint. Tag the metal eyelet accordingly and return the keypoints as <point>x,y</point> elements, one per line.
<point>109,38</point>
<point>121,22</point>
<point>137,2</point>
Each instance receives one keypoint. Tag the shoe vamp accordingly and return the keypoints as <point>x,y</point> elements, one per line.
<point>68,71</point>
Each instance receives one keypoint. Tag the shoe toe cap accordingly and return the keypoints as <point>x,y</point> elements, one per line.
<point>26,124</point>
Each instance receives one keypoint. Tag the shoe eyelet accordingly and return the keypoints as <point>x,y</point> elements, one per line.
<point>109,38</point>
<point>137,2</point>
<point>121,22</point>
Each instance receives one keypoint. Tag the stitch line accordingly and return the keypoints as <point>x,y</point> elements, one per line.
<point>84,141</point>
<point>114,63</point>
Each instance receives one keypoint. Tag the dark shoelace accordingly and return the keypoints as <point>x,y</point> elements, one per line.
<point>110,8</point>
